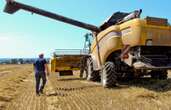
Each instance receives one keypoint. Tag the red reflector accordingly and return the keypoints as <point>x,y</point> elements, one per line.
<point>126,56</point>
<point>125,51</point>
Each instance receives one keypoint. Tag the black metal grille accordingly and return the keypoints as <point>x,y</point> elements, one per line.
<point>156,55</point>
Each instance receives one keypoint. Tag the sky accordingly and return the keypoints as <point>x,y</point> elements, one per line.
<point>25,35</point>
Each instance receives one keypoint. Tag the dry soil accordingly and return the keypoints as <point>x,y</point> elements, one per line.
<point>17,92</point>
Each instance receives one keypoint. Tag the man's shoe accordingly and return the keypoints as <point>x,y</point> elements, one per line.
<point>37,94</point>
<point>41,91</point>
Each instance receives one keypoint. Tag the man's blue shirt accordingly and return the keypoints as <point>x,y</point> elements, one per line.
<point>39,65</point>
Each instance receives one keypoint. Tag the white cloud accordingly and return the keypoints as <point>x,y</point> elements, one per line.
<point>12,45</point>
<point>3,38</point>
<point>20,45</point>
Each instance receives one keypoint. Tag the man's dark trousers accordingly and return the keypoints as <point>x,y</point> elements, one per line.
<point>39,76</point>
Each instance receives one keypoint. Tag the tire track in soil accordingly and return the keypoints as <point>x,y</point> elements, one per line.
<point>58,100</point>
<point>79,94</point>
<point>88,103</point>
<point>59,95</point>
<point>81,102</point>
<point>74,94</point>
<point>28,99</point>
<point>83,98</point>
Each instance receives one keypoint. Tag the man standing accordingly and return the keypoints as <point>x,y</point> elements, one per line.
<point>41,69</point>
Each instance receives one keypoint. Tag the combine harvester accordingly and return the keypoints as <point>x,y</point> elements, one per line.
<point>124,47</point>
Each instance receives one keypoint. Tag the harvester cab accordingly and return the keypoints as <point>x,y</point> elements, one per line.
<point>124,47</point>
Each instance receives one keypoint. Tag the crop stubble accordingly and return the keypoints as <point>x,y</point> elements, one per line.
<point>17,92</point>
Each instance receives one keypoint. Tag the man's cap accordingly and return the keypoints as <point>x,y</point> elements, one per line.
<point>41,55</point>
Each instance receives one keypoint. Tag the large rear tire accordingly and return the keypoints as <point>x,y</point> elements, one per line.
<point>109,75</point>
<point>91,74</point>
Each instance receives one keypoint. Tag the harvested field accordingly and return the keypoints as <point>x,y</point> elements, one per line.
<point>17,92</point>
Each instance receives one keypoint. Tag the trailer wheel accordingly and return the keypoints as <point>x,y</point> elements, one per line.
<point>109,75</point>
<point>159,75</point>
<point>91,74</point>
<point>83,74</point>
<point>83,67</point>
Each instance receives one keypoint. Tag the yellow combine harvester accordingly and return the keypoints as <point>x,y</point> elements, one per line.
<point>124,47</point>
